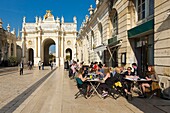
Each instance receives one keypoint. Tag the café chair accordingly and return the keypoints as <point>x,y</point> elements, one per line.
<point>153,89</point>
<point>81,91</point>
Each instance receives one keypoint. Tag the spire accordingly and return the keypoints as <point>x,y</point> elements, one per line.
<point>62,19</point>
<point>91,10</point>
<point>8,28</point>
<point>13,31</point>
<point>24,19</point>
<point>1,23</point>
<point>87,18</point>
<point>36,19</point>
<point>18,33</point>
<point>97,2</point>
<point>75,19</point>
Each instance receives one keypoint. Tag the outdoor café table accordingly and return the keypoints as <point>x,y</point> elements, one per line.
<point>95,86</point>
<point>137,80</point>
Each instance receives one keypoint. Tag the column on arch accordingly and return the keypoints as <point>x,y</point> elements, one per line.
<point>57,57</point>
<point>35,47</point>
<point>62,50</point>
<point>39,47</point>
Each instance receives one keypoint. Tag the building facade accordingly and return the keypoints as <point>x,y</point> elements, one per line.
<point>161,44</point>
<point>112,34</point>
<point>106,33</point>
<point>122,32</point>
<point>7,44</point>
<point>39,36</point>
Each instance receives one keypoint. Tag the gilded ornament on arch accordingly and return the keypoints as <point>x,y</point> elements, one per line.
<point>48,14</point>
<point>68,42</point>
<point>30,42</point>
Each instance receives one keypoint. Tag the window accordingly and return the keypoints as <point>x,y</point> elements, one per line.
<point>100,39</point>
<point>12,49</point>
<point>151,7</point>
<point>144,8</point>
<point>141,9</point>
<point>92,39</point>
<point>115,24</point>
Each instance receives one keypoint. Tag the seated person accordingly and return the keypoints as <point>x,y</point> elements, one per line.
<point>100,71</point>
<point>135,69</point>
<point>109,81</point>
<point>127,84</point>
<point>128,73</point>
<point>95,66</point>
<point>85,84</point>
<point>151,76</point>
<point>85,71</point>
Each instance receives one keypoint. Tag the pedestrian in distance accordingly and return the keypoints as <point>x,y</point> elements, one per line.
<point>51,65</point>
<point>30,65</point>
<point>39,65</point>
<point>21,65</point>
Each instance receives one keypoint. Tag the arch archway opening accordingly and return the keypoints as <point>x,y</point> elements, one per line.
<point>49,51</point>
<point>31,55</point>
<point>68,54</point>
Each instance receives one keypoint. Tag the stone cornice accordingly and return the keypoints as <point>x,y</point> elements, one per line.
<point>96,14</point>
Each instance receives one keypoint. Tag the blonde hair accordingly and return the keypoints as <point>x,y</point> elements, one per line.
<point>117,69</point>
<point>111,69</point>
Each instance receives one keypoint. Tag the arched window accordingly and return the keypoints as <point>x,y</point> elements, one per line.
<point>115,24</point>
<point>100,39</point>
<point>12,49</point>
<point>92,39</point>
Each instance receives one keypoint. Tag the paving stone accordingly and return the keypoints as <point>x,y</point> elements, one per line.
<point>56,95</point>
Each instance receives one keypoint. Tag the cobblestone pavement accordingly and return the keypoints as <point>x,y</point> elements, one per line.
<point>56,95</point>
<point>12,84</point>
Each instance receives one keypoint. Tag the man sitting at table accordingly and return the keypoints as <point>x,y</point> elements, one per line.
<point>150,76</point>
<point>127,84</point>
<point>135,69</point>
<point>100,71</point>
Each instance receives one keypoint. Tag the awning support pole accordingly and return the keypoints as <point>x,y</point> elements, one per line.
<point>110,54</point>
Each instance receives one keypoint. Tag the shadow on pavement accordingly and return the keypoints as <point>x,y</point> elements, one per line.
<point>16,102</point>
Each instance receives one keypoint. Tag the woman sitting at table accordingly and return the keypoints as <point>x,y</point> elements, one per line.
<point>127,84</point>
<point>109,81</point>
<point>85,84</point>
<point>150,76</point>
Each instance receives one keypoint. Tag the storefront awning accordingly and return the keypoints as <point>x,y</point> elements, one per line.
<point>141,29</point>
<point>100,48</point>
<point>115,44</point>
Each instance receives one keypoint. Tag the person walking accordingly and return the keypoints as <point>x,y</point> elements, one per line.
<point>21,65</point>
<point>30,65</point>
<point>39,65</point>
<point>51,65</point>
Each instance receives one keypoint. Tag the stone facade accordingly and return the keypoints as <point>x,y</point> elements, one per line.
<point>116,24</point>
<point>7,44</point>
<point>39,36</point>
<point>107,26</point>
<point>162,36</point>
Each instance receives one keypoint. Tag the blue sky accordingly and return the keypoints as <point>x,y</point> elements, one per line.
<point>13,11</point>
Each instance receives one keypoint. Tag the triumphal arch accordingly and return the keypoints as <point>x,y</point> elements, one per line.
<point>37,37</point>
